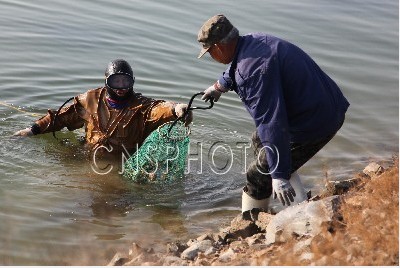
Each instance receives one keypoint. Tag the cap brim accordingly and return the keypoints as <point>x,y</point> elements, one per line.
<point>202,52</point>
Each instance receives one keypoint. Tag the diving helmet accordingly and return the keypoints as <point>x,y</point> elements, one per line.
<point>119,76</point>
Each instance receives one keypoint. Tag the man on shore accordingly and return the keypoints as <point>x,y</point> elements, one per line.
<point>297,108</point>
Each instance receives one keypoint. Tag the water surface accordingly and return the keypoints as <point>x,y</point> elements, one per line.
<point>55,210</point>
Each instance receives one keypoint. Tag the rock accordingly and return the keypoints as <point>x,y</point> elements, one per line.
<point>241,228</point>
<point>199,246</point>
<point>263,220</point>
<point>205,237</point>
<point>257,238</point>
<point>176,248</point>
<point>173,248</point>
<point>341,187</point>
<point>191,242</point>
<point>303,220</point>
<point>238,245</point>
<point>172,261</point>
<point>118,260</point>
<point>210,251</point>
<point>201,261</point>
<point>204,245</point>
<point>373,169</point>
<point>218,238</point>
<point>227,255</point>
<point>190,253</point>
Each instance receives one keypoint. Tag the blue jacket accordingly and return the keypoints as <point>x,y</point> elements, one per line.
<point>288,95</point>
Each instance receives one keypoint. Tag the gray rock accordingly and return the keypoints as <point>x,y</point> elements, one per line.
<point>204,245</point>
<point>303,220</point>
<point>373,169</point>
<point>190,253</point>
<point>210,251</point>
<point>196,247</point>
<point>227,255</point>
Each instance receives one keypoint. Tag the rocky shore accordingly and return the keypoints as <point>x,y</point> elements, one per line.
<point>354,222</point>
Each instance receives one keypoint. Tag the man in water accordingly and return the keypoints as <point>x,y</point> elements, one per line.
<point>297,108</point>
<point>115,117</point>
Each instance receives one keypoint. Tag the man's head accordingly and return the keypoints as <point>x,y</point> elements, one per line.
<point>119,80</point>
<point>217,30</point>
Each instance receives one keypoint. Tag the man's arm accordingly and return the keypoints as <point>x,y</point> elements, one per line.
<point>68,117</point>
<point>164,111</point>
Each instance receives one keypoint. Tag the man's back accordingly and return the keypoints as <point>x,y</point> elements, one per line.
<point>273,72</point>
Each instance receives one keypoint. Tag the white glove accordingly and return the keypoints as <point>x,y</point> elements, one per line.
<point>180,109</point>
<point>211,93</point>
<point>282,189</point>
<point>24,132</point>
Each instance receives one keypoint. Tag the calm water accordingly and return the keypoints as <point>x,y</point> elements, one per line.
<point>55,210</point>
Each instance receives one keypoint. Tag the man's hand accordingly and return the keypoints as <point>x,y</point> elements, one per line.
<point>283,190</point>
<point>211,93</point>
<point>180,109</point>
<point>24,132</point>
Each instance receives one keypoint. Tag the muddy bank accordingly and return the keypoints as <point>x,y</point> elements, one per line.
<point>354,222</point>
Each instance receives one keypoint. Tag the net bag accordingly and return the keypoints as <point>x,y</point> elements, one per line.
<point>162,156</point>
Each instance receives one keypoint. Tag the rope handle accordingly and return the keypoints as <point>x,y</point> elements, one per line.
<point>190,108</point>
<point>198,108</point>
<point>53,122</point>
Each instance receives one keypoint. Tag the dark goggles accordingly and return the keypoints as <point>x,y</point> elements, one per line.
<point>120,81</point>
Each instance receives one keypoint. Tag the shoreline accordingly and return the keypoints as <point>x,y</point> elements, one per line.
<point>353,222</point>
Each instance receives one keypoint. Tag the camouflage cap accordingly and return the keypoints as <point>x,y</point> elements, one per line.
<point>213,31</point>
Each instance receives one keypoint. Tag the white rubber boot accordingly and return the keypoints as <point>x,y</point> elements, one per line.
<point>248,203</point>
<point>301,194</point>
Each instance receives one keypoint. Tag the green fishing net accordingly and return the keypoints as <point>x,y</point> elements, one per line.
<point>162,156</point>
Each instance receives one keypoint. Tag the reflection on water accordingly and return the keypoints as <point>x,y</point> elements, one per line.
<point>170,219</point>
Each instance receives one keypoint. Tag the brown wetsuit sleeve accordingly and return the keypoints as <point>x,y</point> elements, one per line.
<point>159,113</point>
<point>68,117</point>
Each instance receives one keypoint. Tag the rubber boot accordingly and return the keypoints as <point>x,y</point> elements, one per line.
<point>248,203</point>
<point>301,194</point>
